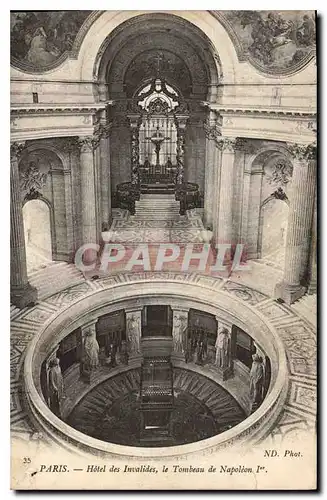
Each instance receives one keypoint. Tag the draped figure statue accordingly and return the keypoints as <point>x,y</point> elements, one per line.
<point>56,386</point>
<point>256,380</point>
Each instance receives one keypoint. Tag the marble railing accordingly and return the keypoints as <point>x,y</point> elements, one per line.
<point>251,430</point>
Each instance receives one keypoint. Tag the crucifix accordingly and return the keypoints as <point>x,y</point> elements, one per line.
<point>157,139</point>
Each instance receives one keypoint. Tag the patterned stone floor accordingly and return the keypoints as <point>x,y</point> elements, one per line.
<point>298,335</point>
<point>127,229</point>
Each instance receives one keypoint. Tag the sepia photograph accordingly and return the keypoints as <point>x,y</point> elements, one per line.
<point>163,250</point>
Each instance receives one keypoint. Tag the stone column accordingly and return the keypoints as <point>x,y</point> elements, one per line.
<point>180,324</point>
<point>21,292</point>
<point>105,178</point>
<point>223,361</point>
<point>299,223</point>
<point>134,332</point>
<point>180,155</point>
<point>89,213</point>
<point>313,253</point>
<point>211,165</point>
<point>89,360</point>
<point>135,150</point>
<point>225,215</point>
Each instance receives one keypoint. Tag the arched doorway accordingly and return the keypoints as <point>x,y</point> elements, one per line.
<point>159,69</point>
<point>37,232</point>
<point>274,217</point>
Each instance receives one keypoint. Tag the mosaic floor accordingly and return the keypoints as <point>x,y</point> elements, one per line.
<point>298,335</point>
<point>127,229</point>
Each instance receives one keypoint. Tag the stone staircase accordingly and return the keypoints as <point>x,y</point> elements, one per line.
<point>55,277</point>
<point>306,307</point>
<point>157,207</point>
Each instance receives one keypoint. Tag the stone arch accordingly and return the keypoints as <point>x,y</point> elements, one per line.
<point>91,52</point>
<point>167,33</point>
<point>38,232</point>
<point>264,187</point>
<point>43,177</point>
<point>272,230</point>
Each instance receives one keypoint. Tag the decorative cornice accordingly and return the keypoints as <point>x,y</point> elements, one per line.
<point>16,150</point>
<point>53,109</point>
<point>271,112</point>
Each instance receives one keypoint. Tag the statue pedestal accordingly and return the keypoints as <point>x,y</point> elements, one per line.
<point>225,373</point>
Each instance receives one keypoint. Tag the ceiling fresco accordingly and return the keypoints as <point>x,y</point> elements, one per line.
<point>40,38</point>
<point>276,42</point>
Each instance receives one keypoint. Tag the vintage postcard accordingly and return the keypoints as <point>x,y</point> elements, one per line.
<point>163,250</point>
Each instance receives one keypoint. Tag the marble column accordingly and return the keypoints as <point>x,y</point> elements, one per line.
<point>313,253</point>
<point>88,192</point>
<point>180,324</point>
<point>105,178</point>
<point>225,216</point>
<point>223,345</point>
<point>134,332</point>
<point>21,292</point>
<point>211,165</point>
<point>299,224</point>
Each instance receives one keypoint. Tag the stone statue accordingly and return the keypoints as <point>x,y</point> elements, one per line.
<point>256,381</point>
<point>133,334</point>
<point>91,351</point>
<point>200,351</point>
<point>223,349</point>
<point>178,330</point>
<point>90,357</point>
<point>56,386</point>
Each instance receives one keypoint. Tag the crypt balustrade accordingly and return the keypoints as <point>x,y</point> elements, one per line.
<point>77,381</point>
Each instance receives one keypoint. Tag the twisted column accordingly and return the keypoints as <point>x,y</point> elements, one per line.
<point>135,175</point>
<point>299,223</point>
<point>180,153</point>
<point>21,293</point>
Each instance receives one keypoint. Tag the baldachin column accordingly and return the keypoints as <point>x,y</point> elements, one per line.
<point>21,292</point>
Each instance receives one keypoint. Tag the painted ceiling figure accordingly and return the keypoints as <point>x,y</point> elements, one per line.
<point>39,53</point>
